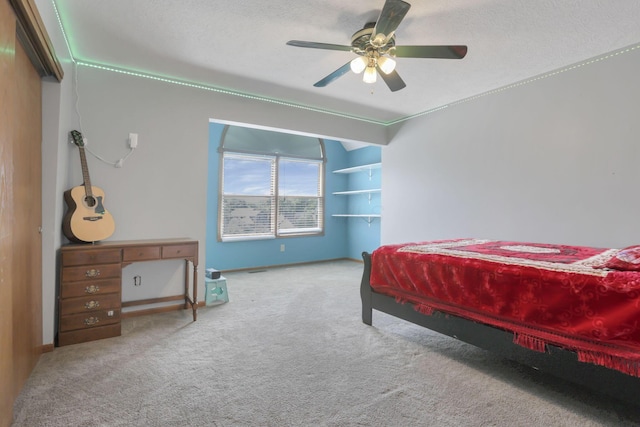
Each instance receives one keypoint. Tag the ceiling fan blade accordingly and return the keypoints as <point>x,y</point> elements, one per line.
<point>333,76</point>
<point>300,43</point>
<point>392,14</point>
<point>444,52</point>
<point>392,80</point>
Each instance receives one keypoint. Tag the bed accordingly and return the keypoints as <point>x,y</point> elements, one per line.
<point>572,311</point>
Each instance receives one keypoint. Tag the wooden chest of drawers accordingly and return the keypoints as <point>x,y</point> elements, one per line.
<point>90,295</point>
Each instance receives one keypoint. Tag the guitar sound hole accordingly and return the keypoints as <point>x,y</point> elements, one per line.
<point>90,201</point>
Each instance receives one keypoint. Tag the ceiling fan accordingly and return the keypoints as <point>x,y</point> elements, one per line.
<point>375,46</point>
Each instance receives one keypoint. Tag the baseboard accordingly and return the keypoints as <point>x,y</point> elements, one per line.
<point>153,300</point>
<point>295,264</point>
<point>156,310</point>
<point>46,348</point>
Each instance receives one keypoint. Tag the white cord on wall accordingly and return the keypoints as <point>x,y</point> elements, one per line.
<point>118,163</point>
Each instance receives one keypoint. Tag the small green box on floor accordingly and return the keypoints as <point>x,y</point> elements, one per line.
<point>216,290</point>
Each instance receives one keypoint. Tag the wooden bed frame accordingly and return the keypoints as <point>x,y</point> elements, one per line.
<point>556,361</point>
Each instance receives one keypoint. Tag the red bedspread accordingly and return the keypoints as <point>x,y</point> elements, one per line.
<point>543,293</point>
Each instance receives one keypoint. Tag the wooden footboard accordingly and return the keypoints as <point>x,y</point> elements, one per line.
<point>365,290</point>
<point>556,361</point>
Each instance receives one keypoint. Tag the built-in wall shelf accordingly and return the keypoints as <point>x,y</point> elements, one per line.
<point>373,190</point>
<point>359,215</point>
<point>369,217</point>
<point>360,168</point>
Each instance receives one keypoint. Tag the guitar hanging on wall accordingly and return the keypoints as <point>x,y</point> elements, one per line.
<point>86,219</point>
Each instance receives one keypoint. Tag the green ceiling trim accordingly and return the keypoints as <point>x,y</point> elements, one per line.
<point>220,90</point>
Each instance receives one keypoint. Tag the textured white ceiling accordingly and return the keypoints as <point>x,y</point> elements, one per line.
<point>240,45</point>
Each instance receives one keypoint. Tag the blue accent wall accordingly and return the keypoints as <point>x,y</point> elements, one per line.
<point>260,253</point>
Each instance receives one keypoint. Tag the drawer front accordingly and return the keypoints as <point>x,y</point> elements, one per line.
<point>143,253</point>
<point>84,335</point>
<point>95,287</point>
<point>178,251</point>
<point>91,272</point>
<point>90,303</point>
<point>89,320</point>
<point>93,256</point>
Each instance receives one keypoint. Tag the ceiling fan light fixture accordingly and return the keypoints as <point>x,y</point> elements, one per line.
<point>386,64</point>
<point>375,46</point>
<point>370,75</point>
<point>359,64</point>
<point>379,40</point>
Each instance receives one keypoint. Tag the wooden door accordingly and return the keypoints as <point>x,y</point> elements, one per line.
<point>20,214</point>
<point>7,73</point>
<point>27,205</point>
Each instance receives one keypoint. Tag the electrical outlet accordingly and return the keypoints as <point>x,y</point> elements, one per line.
<point>133,140</point>
<point>282,248</point>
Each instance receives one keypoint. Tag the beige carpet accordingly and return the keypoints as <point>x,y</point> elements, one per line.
<point>289,349</point>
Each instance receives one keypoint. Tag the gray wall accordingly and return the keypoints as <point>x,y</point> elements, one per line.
<point>57,120</point>
<point>555,160</point>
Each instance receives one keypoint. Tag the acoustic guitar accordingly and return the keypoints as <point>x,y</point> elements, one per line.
<point>86,219</point>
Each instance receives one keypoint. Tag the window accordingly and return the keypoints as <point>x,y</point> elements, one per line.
<point>248,204</point>
<point>271,185</point>
<point>299,196</point>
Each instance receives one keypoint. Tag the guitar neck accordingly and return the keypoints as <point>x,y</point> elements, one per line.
<point>85,173</point>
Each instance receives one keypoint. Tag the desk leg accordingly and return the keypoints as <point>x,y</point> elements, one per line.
<point>195,291</point>
<point>187,299</point>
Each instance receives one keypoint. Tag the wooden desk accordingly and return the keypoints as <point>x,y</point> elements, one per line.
<point>90,292</point>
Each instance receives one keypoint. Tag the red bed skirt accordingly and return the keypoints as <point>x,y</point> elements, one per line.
<point>544,294</point>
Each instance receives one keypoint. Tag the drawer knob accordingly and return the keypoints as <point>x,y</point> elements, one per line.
<point>91,304</point>
<point>92,289</point>
<point>90,321</point>
<point>92,273</point>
